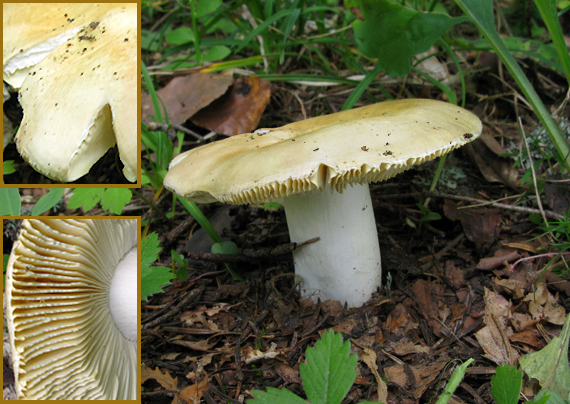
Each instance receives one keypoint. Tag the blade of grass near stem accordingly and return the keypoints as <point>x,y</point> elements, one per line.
<point>481,11</point>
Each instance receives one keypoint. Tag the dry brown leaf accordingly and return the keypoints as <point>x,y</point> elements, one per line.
<point>481,226</point>
<point>193,394</point>
<point>543,306</point>
<point>183,96</point>
<point>288,374</point>
<point>494,337</point>
<point>239,110</point>
<point>485,151</point>
<point>369,357</point>
<point>163,378</point>
<point>202,345</point>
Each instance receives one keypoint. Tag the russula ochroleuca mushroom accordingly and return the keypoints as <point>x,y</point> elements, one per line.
<point>71,294</point>
<point>310,163</point>
<point>75,67</point>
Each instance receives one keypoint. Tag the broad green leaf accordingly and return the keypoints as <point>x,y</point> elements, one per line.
<point>8,167</point>
<point>394,34</point>
<point>85,198</point>
<point>153,279</point>
<point>225,247</point>
<point>550,365</point>
<point>10,203</point>
<point>48,201</point>
<point>506,385</point>
<point>217,52</point>
<point>115,199</point>
<point>180,36</point>
<point>204,7</point>
<point>330,370</point>
<point>275,396</point>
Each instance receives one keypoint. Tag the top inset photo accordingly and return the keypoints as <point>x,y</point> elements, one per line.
<point>71,75</point>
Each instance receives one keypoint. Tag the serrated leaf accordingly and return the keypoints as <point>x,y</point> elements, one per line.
<point>10,203</point>
<point>506,385</point>
<point>47,201</point>
<point>330,370</point>
<point>149,249</point>
<point>153,279</point>
<point>394,34</point>
<point>85,198</point>
<point>115,199</point>
<point>275,396</point>
<point>550,365</point>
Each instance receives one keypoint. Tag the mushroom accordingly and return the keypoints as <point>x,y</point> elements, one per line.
<point>71,291</point>
<point>75,66</point>
<point>310,163</point>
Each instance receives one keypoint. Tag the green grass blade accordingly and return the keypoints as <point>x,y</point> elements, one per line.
<point>481,11</point>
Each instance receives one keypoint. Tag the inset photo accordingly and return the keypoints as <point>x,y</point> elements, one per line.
<point>71,79</point>
<point>70,308</point>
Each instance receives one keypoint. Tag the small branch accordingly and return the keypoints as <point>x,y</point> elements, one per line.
<point>435,194</point>
<point>250,254</point>
<point>156,126</point>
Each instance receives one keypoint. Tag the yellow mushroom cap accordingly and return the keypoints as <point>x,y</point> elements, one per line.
<point>367,144</point>
<point>81,98</point>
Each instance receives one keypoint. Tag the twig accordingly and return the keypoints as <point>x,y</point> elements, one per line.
<point>157,126</point>
<point>436,194</point>
<point>193,294</point>
<point>250,254</point>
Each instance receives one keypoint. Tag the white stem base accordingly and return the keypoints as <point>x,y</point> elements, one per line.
<point>345,264</point>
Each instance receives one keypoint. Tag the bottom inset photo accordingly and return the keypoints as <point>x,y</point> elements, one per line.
<point>70,307</point>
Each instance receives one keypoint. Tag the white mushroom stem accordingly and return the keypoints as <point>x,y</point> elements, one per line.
<point>345,264</point>
<point>123,297</point>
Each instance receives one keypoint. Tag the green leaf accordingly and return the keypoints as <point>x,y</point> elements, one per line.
<point>330,370</point>
<point>8,167</point>
<point>453,382</point>
<point>115,199</point>
<point>275,396</point>
<point>550,365</point>
<point>217,52</point>
<point>204,7</point>
<point>180,36</point>
<point>154,279</point>
<point>394,34</point>
<point>225,247</point>
<point>506,385</point>
<point>85,198</point>
<point>48,201</point>
<point>10,203</point>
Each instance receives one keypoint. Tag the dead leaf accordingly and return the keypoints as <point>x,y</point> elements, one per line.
<point>202,345</point>
<point>486,152</point>
<point>183,96</point>
<point>493,338</point>
<point>193,394</point>
<point>164,379</point>
<point>369,357</point>
<point>481,226</point>
<point>543,306</point>
<point>239,110</point>
<point>288,374</point>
